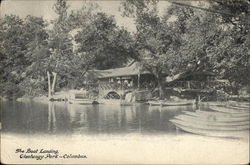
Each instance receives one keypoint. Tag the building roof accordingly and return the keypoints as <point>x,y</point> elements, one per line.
<point>185,75</point>
<point>130,70</point>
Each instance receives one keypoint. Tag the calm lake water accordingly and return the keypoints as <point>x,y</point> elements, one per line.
<point>63,118</point>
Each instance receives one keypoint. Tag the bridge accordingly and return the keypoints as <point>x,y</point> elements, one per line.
<point>118,90</point>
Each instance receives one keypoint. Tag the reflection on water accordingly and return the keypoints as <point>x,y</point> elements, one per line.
<point>62,118</point>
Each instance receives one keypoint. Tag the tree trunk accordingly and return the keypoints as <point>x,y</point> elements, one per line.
<point>54,83</point>
<point>161,87</point>
<point>49,87</point>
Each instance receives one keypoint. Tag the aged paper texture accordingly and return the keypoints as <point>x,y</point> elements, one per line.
<point>124,82</point>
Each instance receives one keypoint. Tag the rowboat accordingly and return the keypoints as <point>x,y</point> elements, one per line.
<point>212,103</point>
<point>230,104</point>
<point>82,101</point>
<point>131,103</point>
<point>227,109</point>
<point>238,107</point>
<point>206,126</point>
<point>171,103</point>
<point>222,114</point>
<point>218,118</point>
<point>127,104</point>
<point>199,121</point>
<point>239,104</point>
<point>80,97</point>
<point>208,132</point>
<point>180,103</point>
<point>154,103</point>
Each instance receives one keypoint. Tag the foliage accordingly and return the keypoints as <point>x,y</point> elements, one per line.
<point>158,42</point>
<point>232,55</point>
<point>22,51</point>
<point>219,40</point>
<point>103,43</point>
<point>210,37</point>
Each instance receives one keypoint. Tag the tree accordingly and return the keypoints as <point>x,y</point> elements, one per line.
<point>103,44</point>
<point>158,42</point>
<point>37,54</point>
<point>217,38</point>
<point>13,45</point>
<point>23,45</point>
<point>233,60</point>
<point>61,46</point>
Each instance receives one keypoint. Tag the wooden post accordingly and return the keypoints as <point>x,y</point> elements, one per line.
<point>138,85</point>
<point>49,116</point>
<point>54,83</point>
<point>138,78</point>
<point>49,88</point>
<point>199,99</point>
<point>188,84</point>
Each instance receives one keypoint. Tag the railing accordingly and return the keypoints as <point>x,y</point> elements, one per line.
<point>177,84</point>
<point>114,86</point>
<point>196,84</point>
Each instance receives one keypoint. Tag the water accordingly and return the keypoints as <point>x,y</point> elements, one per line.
<point>42,121</point>
<point>63,118</point>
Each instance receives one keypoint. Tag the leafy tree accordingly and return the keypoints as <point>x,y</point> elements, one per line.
<point>216,37</point>
<point>13,45</point>
<point>22,43</point>
<point>103,44</point>
<point>61,46</point>
<point>69,64</point>
<point>232,56</point>
<point>158,42</point>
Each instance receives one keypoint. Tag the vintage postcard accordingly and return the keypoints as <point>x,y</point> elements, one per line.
<point>124,81</point>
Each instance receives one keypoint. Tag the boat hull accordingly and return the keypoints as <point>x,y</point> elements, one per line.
<point>213,133</point>
<point>227,109</point>
<point>222,114</point>
<point>195,120</point>
<point>162,103</point>
<point>214,117</point>
<point>82,101</point>
<point>205,126</point>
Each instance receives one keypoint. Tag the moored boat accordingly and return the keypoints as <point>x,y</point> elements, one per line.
<point>206,126</point>
<point>131,103</point>
<point>127,104</point>
<point>230,104</point>
<point>237,107</point>
<point>239,104</point>
<point>222,113</point>
<point>171,103</point>
<point>215,117</point>
<point>80,97</point>
<point>124,103</point>
<point>82,101</point>
<point>212,103</point>
<point>228,109</point>
<point>219,121</point>
<point>196,120</point>
<point>208,132</point>
<point>154,103</point>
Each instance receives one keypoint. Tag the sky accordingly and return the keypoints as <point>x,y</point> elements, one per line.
<point>43,8</point>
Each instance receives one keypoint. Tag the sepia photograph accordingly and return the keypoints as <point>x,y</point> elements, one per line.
<point>125,82</point>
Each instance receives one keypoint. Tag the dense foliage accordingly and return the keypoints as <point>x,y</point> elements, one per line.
<point>212,36</point>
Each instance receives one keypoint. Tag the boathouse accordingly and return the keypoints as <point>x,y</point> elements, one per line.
<point>119,81</point>
<point>192,80</point>
<point>198,84</point>
<point>122,80</point>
